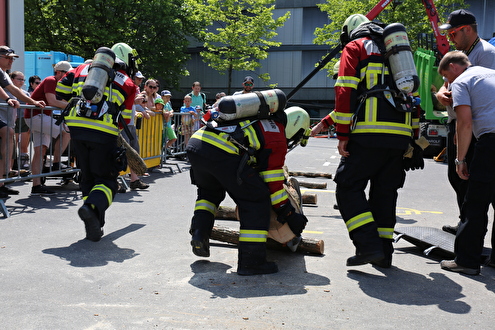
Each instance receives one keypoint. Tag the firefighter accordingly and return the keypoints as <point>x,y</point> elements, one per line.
<point>373,136</point>
<point>94,130</point>
<point>248,165</point>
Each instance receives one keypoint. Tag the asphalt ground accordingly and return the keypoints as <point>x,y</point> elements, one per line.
<point>143,275</point>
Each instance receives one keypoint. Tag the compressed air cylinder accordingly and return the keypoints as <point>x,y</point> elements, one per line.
<point>400,57</point>
<point>94,85</point>
<point>249,104</point>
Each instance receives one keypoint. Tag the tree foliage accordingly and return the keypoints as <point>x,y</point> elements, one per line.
<point>411,13</point>
<point>157,29</point>
<point>238,33</point>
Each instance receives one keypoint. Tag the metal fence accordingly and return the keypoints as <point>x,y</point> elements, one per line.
<point>15,172</point>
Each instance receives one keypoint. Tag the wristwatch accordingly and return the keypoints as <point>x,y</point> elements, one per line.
<point>459,162</point>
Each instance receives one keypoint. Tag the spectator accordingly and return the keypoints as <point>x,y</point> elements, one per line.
<point>44,129</point>
<point>7,121</point>
<point>197,97</point>
<point>168,115</point>
<point>247,84</point>
<point>148,96</point>
<point>22,134</point>
<point>7,57</point>
<point>133,141</point>
<point>138,79</point>
<point>34,81</point>
<point>218,97</point>
<point>463,33</point>
<point>474,104</point>
<point>187,120</point>
<point>198,115</point>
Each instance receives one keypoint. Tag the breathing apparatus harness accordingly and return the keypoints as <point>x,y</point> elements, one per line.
<point>86,107</point>
<point>387,87</point>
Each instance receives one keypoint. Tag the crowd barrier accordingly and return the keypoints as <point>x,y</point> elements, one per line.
<point>16,172</point>
<point>151,136</point>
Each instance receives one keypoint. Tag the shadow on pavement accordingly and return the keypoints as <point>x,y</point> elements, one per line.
<point>291,279</point>
<point>85,253</point>
<point>401,287</point>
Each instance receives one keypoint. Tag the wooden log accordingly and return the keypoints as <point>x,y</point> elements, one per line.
<point>229,212</point>
<point>313,185</point>
<point>309,198</point>
<point>226,212</point>
<point>311,174</point>
<point>224,234</point>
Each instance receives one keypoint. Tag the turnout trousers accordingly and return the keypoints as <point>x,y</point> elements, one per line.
<point>370,220</point>
<point>98,181</point>
<point>219,173</point>
<point>474,212</point>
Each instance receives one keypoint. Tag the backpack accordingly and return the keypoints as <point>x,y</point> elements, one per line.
<point>203,96</point>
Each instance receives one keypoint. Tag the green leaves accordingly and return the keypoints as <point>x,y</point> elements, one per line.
<point>238,33</point>
<point>158,29</point>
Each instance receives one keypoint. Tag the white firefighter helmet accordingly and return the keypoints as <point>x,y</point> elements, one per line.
<point>127,54</point>
<point>297,127</point>
<point>350,24</point>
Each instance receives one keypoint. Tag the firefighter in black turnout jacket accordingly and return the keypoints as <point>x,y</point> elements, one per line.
<point>99,93</point>
<point>247,164</point>
<point>374,125</point>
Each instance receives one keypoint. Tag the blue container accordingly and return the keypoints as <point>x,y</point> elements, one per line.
<point>41,63</point>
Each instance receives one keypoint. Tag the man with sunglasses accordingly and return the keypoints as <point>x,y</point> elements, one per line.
<point>461,28</point>
<point>248,85</point>
<point>7,58</point>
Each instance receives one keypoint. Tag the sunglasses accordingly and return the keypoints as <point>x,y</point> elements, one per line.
<point>248,85</point>
<point>10,58</point>
<point>37,82</point>
<point>153,87</point>
<point>454,31</point>
<point>20,79</point>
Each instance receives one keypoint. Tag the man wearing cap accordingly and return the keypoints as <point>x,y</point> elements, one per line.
<point>7,57</point>
<point>247,85</point>
<point>462,31</point>
<point>138,79</point>
<point>43,126</point>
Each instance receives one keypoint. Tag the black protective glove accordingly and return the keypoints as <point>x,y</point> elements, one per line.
<point>415,161</point>
<point>296,221</point>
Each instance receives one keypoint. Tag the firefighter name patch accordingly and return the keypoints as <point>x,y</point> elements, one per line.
<point>269,126</point>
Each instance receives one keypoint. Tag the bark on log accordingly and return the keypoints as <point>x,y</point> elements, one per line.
<point>313,185</point>
<point>226,212</point>
<point>311,174</point>
<point>224,234</point>
<point>229,213</point>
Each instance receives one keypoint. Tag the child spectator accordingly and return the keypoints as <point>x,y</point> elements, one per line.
<point>187,121</point>
<point>168,114</point>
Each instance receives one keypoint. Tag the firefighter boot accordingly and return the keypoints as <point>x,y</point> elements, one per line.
<point>388,250</point>
<point>91,221</point>
<point>368,244</point>
<point>252,260</point>
<point>200,243</point>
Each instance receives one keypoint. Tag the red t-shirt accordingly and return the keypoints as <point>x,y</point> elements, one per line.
<point>48,85</point>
